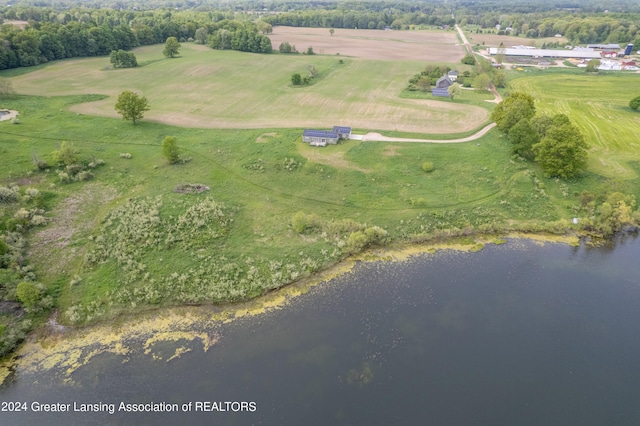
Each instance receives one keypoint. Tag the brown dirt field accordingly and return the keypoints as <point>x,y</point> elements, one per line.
<point>494,40</point>
<point>432,46</point>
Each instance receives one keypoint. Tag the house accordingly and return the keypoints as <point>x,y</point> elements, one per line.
<point>442,86</point>
<point>453,75</point>
<point>320,137</point>
<point>343,132</point>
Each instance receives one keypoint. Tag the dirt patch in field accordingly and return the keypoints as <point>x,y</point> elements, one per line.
<point>432,46</point>
<point>76,214</point>
<point>266,137</point>
<point>390,151</point>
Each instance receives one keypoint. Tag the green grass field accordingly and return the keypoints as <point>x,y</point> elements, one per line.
<point>277,210</point>
<point>599,106</point>
<point>208,88</point>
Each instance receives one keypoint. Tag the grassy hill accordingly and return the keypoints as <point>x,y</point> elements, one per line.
<point>599,106</point>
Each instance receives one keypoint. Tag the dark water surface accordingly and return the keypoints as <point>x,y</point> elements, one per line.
<point>517,334</point>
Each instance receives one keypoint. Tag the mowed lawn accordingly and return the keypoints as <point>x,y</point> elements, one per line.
<point>207,88</point>
<point>599,106</point>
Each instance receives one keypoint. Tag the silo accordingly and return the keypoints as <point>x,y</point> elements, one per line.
<point>628,50</point>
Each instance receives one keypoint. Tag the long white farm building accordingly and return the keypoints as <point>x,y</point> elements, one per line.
<point>546,53</point>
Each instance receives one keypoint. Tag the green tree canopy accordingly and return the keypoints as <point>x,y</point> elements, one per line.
<point>562,152</point>
<point>454,90</point>
<point>171,47</point>
<point>634,103</point>
<point>514,108</point>
<point>481,82</point>
<point>522,137</point>
<point>170,150</point>
<point>123,59</point>
<point>28,294</point>
<point>131,106</point>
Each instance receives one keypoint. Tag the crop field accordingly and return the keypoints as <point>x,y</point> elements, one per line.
<point>206,88</point>
<point>425,46</point>
<point>598,105</point>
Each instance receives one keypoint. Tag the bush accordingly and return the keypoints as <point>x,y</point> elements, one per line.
<point>126,155</point>
<point>296,79</point>
<point>28,294</point>
<point>302,222</point>
<point>66,154</point>
<point>170,150</point>
<point>427,167</point>
<point>8,195</point>
<point>469,60</point>
<point>634,103</point>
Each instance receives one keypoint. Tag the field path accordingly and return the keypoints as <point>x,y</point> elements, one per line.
<point>377,137</point>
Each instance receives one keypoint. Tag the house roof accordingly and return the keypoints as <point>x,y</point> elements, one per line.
<point>604,46</point>
<point>444,82</point>
<point>452,72</point>
<point>320,134</point>
<point>341,129</point>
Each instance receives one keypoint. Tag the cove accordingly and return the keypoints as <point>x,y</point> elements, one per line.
<point>517,334</point>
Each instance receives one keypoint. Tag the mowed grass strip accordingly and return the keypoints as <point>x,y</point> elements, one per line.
<point>207,88</point>
<point>599,106</point>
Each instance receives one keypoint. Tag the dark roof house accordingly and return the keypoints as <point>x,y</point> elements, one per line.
<point>442,87</point>
<point>320,137</point>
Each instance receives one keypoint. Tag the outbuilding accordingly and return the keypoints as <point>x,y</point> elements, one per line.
<point>320,137</point>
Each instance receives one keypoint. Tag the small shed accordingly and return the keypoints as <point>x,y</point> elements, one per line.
<point>343,132</point>
<point>320,137</point>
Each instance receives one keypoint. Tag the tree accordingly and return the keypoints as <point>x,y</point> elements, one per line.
<point>469,59</point>
<point>499,78</point>
<point>6,88</point>
<point>424,83</point>
<point>131,106</point>
<point>170,150</point>
<point>592,65</point>
<point>296,79</point>
<point>522,137</point>
<point>123,59</point>
<point>171,47</point>
<point>562,152</point>
<point>331,31</point>
<point>514,108</point>
<point>634,103</point>
<point>284,47</point>
<point>481,82</point>
<point>200,36</point>
<point>454,90</point>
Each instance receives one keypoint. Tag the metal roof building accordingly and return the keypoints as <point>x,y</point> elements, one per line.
<point>546,53</point>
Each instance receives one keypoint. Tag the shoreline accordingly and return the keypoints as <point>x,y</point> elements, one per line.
<point>52,346</point>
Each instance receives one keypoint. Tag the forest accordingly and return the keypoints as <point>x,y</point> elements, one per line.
<point>59,30</point>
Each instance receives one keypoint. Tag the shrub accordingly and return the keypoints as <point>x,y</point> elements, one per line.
<point>634,103</point>
<point>125,155</point>
<point>84,176</point>
<point>8,195</point>
<point>28,294</point>
<point>170,150</point>
<point>66,154</point>
<point>427,167</point>
<point>302,222</point>
<point>296,79</point>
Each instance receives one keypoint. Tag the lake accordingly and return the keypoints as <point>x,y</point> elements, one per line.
<point>516,334</point>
